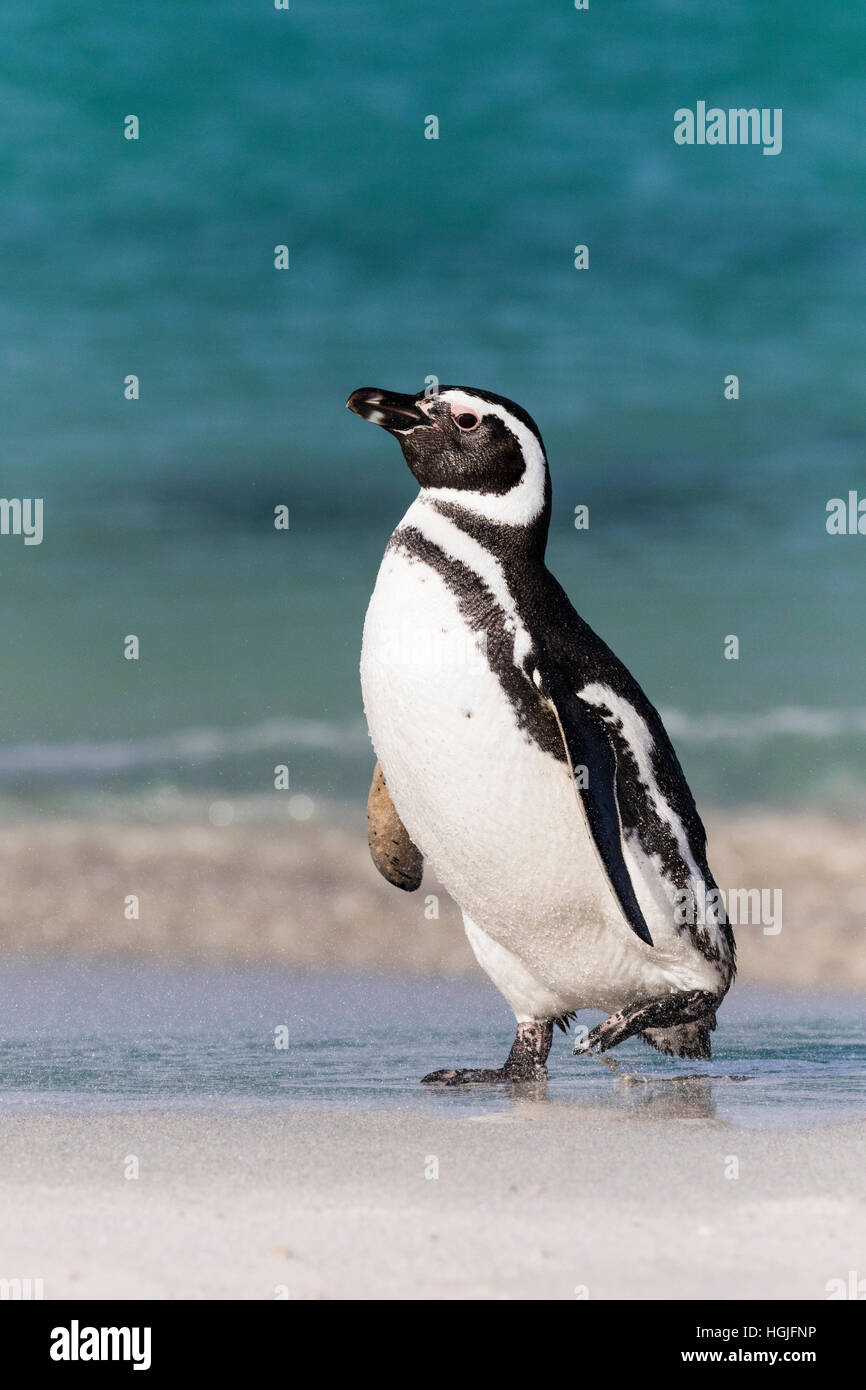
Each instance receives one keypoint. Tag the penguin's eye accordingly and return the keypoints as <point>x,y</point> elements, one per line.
<point>467,420</point>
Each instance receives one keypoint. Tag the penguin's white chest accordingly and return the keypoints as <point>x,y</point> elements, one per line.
<point>495,816</point>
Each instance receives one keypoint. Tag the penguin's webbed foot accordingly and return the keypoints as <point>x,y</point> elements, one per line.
<point>454,1076</point>
<point>671,1011</point>
<point>525,1062</point>
<point>604,1035</point>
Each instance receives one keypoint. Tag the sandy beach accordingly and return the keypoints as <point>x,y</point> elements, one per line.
<point>548,1201</point>
<point>535,1199</point>
<point>306,893</point>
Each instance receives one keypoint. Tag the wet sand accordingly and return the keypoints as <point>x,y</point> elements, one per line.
<point>306,894</point>
<point>548,1201</point>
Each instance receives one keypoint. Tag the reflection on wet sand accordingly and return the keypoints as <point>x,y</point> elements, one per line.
<point>674,1097</point>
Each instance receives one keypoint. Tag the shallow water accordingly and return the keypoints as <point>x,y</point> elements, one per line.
<point>85,1037</point>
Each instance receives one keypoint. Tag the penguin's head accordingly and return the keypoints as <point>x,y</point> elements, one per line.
<point>469,447</point>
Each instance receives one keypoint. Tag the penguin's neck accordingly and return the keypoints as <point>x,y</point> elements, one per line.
<point>521,544</point>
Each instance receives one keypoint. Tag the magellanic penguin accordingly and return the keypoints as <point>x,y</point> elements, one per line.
<point>519,757</point>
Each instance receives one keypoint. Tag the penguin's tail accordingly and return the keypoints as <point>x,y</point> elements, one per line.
<point>684,1040</point>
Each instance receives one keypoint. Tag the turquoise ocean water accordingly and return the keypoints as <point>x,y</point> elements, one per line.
<point>411,257</point>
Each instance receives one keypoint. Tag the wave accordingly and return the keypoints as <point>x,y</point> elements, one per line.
<point>187,746</point>
<point>191,747</point>
<point>194,746</point>
<point>786,721</point>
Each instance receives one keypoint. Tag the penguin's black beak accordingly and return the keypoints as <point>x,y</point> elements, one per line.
<point>388,409</point>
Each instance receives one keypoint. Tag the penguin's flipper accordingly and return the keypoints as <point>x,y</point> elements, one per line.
<point>592,763</point>
<point>393,853</point>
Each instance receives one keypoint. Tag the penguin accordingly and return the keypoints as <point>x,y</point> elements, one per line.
<point>520,759</point>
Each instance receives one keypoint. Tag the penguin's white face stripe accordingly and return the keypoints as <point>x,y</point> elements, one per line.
<point>633,729</point>
<point>457,544</point>
<point>524,502</point>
